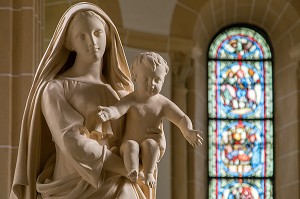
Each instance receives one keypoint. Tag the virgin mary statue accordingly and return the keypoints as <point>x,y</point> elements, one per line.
<point>60,155</point>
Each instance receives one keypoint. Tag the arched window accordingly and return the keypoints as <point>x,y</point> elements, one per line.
<point>240,114</point>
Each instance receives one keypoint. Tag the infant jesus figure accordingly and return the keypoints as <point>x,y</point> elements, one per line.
<point>145,108</point>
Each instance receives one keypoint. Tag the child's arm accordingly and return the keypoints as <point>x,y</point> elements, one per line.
<point>173,113</point>
<point>116,111</point>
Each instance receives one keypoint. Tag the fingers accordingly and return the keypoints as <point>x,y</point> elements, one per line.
<point>199,142</point>
<point>194,144</point>
<point>103,116</point>
<point>199,139</point>
<point>196,139</point>
<point>101,113</point>
<point>104,113</point>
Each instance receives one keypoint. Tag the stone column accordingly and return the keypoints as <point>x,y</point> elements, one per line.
<point>181,68</point>
<point>287,126</point>
<point>20,49</point>
<point>197,111</point>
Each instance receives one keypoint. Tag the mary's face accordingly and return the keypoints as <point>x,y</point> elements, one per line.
<point>89,39</point>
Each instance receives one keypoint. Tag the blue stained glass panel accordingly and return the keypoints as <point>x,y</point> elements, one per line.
<point>240,111</point>
<point>240,89</point>
<point>239,43</point>
<point>240,188</point>
<point>240,148</point>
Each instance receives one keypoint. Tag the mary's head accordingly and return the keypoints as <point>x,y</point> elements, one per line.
<point>88,36</point>
<point>87,33</point>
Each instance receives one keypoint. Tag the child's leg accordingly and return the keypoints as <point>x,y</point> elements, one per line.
<point>150,154</point>
<point>129,151</point>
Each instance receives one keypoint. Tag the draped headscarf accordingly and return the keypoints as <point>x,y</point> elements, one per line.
<point>36,144</point>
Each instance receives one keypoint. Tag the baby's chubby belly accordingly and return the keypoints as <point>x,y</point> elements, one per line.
<point>139,120</point>
<point>139,135</point>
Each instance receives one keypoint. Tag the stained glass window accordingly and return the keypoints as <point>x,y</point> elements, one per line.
<point>240,115</point>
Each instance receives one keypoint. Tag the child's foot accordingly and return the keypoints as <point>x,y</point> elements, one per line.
<point>133,175</point>
<point>150,180</point>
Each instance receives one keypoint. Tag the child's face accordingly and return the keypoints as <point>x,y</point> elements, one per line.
<point>149,82</point>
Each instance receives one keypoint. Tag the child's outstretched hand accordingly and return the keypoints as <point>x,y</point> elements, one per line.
<point>104,113</point>
<point>193,137</point>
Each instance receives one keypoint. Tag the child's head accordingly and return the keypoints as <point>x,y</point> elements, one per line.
<point>148,72</point>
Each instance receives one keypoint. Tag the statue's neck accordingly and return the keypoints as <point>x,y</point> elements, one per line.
<point>91,72</point>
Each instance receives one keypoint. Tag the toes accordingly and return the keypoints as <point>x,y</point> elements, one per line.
<point>152,184</point>
<point>150,180</point>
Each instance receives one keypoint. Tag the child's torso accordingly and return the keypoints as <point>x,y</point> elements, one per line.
<point>140,117</point>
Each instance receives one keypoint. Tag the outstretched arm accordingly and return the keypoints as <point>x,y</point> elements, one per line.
<point>173,113</point>
<point>191,135</point>
<point>116,111</point>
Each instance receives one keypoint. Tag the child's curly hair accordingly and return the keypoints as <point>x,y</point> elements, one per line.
<point>150,60</point>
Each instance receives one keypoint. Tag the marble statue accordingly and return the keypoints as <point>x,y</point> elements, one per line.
<point>145,108</point>
<point>66,151</point>
<point>83,67</point>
